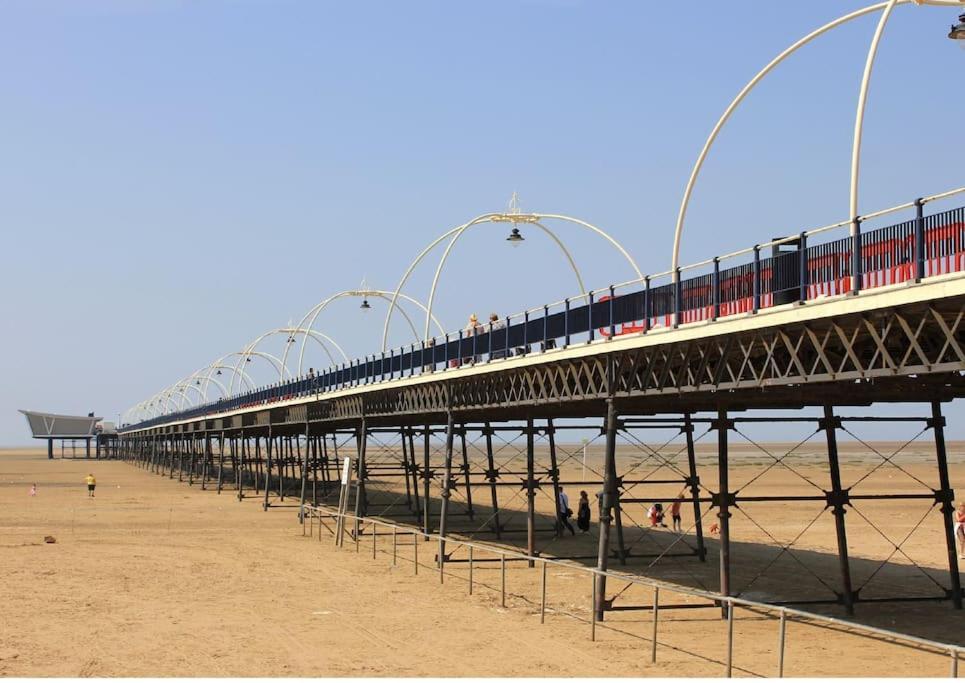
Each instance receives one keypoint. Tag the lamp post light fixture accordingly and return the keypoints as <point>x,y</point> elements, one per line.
<point>365,307</point>
<point>958,31</point>
<point>515,239</point>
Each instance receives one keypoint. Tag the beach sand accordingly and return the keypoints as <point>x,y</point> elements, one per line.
<point>156,578</point>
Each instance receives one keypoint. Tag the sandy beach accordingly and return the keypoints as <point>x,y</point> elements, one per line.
<point>156,578</point>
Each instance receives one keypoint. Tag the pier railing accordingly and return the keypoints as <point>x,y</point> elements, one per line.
<point>342,525</point>
<point>798,270</point>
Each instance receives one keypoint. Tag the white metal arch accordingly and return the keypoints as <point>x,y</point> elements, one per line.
<point>245,354</point>
<point>859,115</point>
<point>316,310</point>
<point>203,380</point>
<point>184,386</point>
<point>515,218</point>
<point>207,375</point>
<point>292,332</point>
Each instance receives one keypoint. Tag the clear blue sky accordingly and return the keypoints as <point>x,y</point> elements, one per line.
<point>177,177</point>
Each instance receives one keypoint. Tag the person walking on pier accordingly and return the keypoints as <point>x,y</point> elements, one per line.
<point>583,513</point>
<point>960,529</point>
<point>91,483</point>
<point>565,512</point>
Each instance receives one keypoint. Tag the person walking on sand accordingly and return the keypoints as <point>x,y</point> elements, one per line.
<point>675,513</point>
<point>33,489</point>
<point>565,512</point>
<point>583,513</point>
<point>91,483</point>
<point>960,529</point>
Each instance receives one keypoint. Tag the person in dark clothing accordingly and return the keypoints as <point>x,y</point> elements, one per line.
<point>583,513</point>
<point>565,512</point>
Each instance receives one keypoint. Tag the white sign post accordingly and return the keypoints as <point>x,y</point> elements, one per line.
<point>343,500</point>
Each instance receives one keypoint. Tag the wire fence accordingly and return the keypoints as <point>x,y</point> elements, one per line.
<point>318,519</point>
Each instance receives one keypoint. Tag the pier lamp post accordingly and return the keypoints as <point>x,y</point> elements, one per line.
<point>516,217</point>
<point>957,33</point>
<point>515,239</point>
<point>367,294</point>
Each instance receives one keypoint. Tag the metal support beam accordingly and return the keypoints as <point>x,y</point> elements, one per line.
<point>948,497</point>
<point>723,425</point>
<point>839,496</point>
<point>609,495</point>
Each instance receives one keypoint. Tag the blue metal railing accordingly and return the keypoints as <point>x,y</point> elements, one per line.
<point>922,247</point>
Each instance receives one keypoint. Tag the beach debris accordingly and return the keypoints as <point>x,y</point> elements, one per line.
<point>49,539</point>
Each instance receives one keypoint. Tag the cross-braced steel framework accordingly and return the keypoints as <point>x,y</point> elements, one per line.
<point>484,453</point>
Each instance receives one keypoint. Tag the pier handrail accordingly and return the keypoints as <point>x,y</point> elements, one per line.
<point>954,651</point>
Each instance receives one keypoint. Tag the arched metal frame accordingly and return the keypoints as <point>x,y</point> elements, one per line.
<point>246,354</point>
<point>512,217</point>
<point>292,332</point>
<point>316,310</point>
<point>886,7</point>
<point>243,379</point>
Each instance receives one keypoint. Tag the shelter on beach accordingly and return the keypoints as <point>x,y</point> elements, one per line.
<point>72,428</point>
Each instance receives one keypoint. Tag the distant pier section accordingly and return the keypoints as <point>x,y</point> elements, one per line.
<point>73,429</point>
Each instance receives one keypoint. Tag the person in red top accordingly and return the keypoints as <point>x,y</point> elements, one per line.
<point>675,513</point>
<point>960,529</point>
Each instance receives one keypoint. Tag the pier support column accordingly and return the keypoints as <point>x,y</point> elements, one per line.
<point>837,499</point>
<point>606,509</point>
<point>446,487</point>
<point>406,470</point>
<point>694,484</point>
<point>530,486</point>
<point>308,443</point>
<point>492,474</point>
<point>426,477</point>
<point>264,505</point>
<point>465,471</point>
<point>724,500</point>
<point>947,497</point>
<point>410,433</point>
<point>361,501</point>
<point>220,462</point>
<point>555,478</point>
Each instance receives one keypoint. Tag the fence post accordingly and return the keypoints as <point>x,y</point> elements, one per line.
<point>589,316</point>
<point>856,255</point>
<point>415,554</point>
<point>716,288</point>
<point>730,639</point>
<point>613,327</point>
<point>780,644</point>
<point>442,564</point>
<point>919,240</point>
<point>593,608</point>
<point>542,600</point>
<point>954,668</point>
<point>677,291</point>
<point>502,580</point>
<point>803,267</point>
<point>375,535</point>
<point>566,323</point>
<point>646,304</point>
<point>470,570</point>
<point>395,546</point>
<point>756,284</point>
<point>656,613</point>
